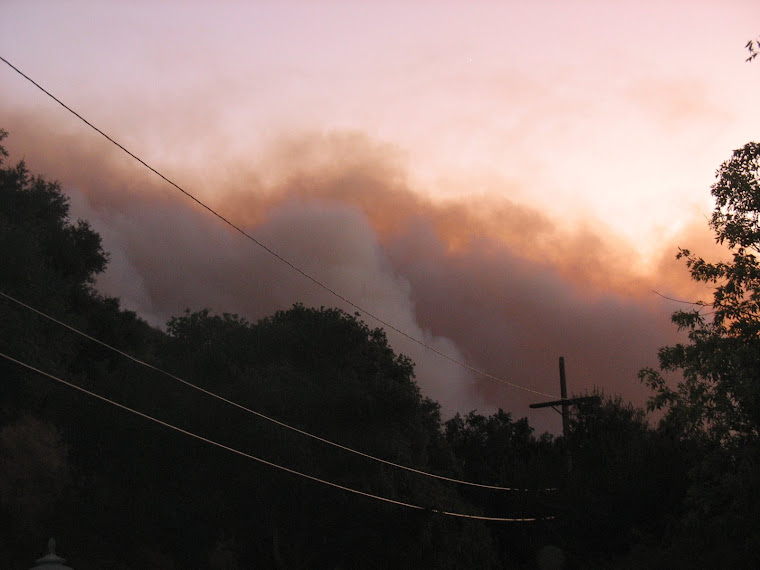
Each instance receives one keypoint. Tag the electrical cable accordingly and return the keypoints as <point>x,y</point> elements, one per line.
<point>701,304</point>
<point>698,303</point>
<point>264,461</point>
<point>237,228</point>
<point>259,414</point>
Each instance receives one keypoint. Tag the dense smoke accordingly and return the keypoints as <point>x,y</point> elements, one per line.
<point>494,283</point>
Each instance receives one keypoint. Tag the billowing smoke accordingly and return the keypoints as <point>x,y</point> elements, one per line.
<point>490,282</point>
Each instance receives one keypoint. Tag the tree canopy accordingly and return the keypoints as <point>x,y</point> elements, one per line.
<point>716,404</point>
<point>719,396</point>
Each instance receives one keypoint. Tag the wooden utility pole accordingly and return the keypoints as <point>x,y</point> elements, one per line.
<point>563,394</point>
<point>565,404</point>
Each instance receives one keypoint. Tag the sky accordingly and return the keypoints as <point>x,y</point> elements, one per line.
<point>507,181</point>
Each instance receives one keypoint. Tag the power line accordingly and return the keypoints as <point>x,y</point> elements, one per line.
<point>698,303</point>
<point>259,414</point>
<point>701,304</point>
<point>264,461</point>
<point>268,249</point>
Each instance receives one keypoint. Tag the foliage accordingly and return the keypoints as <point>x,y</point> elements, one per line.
<point>47,260</point>
<point>753,47</point>
<point>46,254</point>
<point>719,397</point>
<point>716,405</point>
<point>627,479</point>
<point>498,450</point>
<point>326,372</point>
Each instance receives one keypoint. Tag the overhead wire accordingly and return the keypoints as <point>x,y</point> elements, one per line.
<point>701,304</point>
<point>264,461</point>
<point>279,257</point>
<point>697,303</point>
<point>259,414</point>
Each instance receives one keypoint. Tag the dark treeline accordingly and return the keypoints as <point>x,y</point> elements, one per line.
<point>118,491</point>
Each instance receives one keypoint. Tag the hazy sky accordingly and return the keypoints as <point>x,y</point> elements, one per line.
<point>508,180</point>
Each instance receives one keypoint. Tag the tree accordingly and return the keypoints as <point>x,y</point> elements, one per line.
<point>626,481</point>
<point>498,450</point>
<point>44,254</point>
<point>326,372</point>
<point>716,404</point>
<point>753,47</point>
<point>47,261</point>
<point>719,396</point>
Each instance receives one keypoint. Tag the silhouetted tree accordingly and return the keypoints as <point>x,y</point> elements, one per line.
<point>717,403</point>
<point>326,372</point>
<point>753,47</point>
<point>498,450</point>
<point>626,484</point>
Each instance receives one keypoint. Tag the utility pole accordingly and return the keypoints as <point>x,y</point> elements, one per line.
<point>565,411</point>
<point>565,404</point>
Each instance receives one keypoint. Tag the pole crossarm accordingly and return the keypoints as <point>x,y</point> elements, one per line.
<point>566,402</point>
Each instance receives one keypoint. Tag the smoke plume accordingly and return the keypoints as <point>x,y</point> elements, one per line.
<point>491,282</point>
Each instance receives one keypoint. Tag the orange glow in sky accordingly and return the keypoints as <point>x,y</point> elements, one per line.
<point>582,136</point>
<point>616,113</point>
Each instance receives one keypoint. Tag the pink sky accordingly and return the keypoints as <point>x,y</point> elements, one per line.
<point>600,122</point>
<point>616,112</point>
